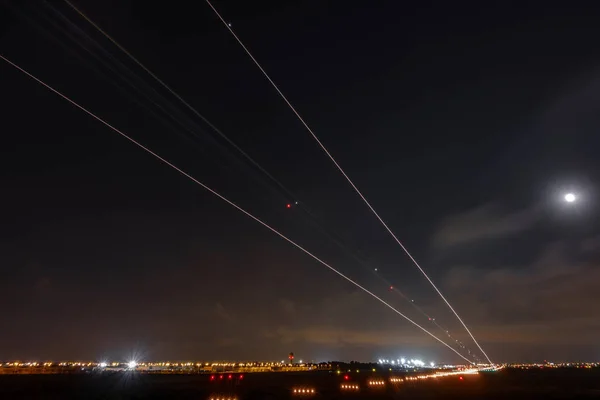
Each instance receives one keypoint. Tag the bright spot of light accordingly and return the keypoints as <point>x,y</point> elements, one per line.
<point>103,365</point>
<point>432,363</point>
<point>570,197</point>
<point>403,360</point>
<point>132,364</point>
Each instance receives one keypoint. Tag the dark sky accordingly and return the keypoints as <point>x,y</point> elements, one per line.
<point>463,125</point>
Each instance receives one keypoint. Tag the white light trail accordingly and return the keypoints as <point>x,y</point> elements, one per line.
<point>281,235</point>
<point>181,99</point>
<point>345,175</point>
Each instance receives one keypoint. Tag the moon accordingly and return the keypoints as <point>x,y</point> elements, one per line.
<point>570,197</point>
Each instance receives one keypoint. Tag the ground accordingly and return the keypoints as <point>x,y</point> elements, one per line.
<point>506,384</point>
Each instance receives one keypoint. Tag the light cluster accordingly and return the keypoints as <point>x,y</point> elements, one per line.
<point>405,363</point>
<point>556,365</point>
<point>349,386</point>
<point>376,383</point>
<point>223,397</point>
<point>395,379</point>
<point>470,371</point>
<point>303,391</point>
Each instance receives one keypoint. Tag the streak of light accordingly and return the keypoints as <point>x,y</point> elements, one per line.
<point>192,109</point>
<point>346,176</point>
<point>280,185</point>
<point>231,203</point>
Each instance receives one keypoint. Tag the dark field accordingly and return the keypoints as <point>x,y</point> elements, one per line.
<point>505,384</point>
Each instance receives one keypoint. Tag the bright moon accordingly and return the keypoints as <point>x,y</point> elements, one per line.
<point>569,197</point>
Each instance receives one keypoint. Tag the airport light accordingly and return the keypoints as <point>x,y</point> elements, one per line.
<point>222,397</point>
<point>348,386</point>
<point>403,360</point>
<point>376,383</point>
<point>303,391</point>
<point>132,364</point>
<point>570,197</point>
<point>103,365</point>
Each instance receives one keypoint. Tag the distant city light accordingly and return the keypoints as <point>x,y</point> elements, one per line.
<point>132,364</point>
<point>403,360</point>
<point>103,365</point>
<point>432,363</point>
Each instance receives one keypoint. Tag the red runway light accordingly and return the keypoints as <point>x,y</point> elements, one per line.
<point>460,377</point>
<point>242,376</point>
<point>212,377</point>
<point>288,205</point>
<point>220,376</point>
<point>229,377</point>
<point>346,377</point>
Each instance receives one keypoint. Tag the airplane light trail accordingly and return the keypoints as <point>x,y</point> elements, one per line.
<point>228,26</point>
<point>231,203</point>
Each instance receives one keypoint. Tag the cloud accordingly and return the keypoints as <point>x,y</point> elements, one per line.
<point>591,244</point>
<point>553,301</point>
<point>223,314</point>
<point>336,336</point>
<point>484,222</point>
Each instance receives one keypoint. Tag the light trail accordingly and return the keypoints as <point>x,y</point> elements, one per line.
<point>279,184</point>
<point>231,203</point>
<point>192,109</point>
<point>228,26</point>
<point>149,90</point>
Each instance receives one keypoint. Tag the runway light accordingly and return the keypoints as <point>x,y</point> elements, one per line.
<point>303,391</point>
<point>345,386</point>
<point>288,205</point>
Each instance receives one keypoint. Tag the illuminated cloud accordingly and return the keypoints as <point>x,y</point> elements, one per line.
<point>484,222</point>
<point>552,301</point>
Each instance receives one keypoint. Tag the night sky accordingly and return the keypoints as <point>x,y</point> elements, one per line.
<point>463,125</point>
